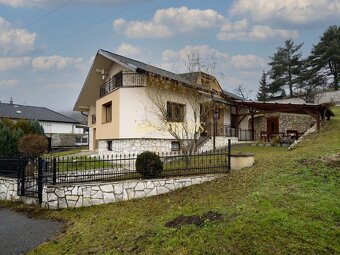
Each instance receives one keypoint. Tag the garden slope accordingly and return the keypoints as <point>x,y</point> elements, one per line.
<point>288,202</point>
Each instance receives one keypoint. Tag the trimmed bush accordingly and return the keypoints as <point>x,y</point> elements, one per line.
<point>149,164</point>
<point>32,145</point>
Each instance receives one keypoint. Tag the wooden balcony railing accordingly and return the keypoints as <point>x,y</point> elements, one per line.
<point>122,80</point>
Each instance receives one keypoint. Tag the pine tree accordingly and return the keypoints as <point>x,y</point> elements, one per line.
<point>285,67</point>
<point>325,55</point>
<point>263,92</point>
<point>310,81</point>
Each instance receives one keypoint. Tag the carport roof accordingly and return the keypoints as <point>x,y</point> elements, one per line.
<point>297,108</point>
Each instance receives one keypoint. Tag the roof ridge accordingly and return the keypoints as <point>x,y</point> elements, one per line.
<point>139,61</point>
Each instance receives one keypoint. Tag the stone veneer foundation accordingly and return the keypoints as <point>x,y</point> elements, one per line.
<point>134,146</point>
<point>220,142</point>
<point>87,194</point>
<point>8,188</point>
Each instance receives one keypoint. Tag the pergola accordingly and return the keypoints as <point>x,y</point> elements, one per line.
<point>318,111</point>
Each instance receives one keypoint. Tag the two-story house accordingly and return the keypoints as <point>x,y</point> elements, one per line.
<point>122,116</point>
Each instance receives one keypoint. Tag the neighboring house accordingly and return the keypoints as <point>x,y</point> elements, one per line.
<point>62,130</point>
<point>121,114</point>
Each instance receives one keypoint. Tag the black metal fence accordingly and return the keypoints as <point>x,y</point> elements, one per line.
<point>123,167</point>
<point>32,174</point>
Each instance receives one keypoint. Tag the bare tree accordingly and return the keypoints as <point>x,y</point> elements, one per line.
<point>198,105</point>
<point>241,91</point>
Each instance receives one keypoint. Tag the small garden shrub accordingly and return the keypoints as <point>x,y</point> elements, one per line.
<point>32,145</point>
<point>12,131</point>
<point>149,164</point>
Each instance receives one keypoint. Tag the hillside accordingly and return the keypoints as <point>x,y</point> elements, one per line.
<point>287,203</point>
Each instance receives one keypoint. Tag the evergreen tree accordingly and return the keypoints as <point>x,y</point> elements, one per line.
<point>262,94</point>
<point>325,55</point>
<point>36,128</point>
<point>285,67</point>
<point>310,81</point>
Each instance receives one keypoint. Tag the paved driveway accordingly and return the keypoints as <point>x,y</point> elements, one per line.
<point>19,234</point>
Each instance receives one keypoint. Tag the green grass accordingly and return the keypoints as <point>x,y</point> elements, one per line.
<point>287,203</point>
<point>65,153</point>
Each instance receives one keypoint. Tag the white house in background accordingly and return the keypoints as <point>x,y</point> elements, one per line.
<point>62,130</point>
<point>121,112</point>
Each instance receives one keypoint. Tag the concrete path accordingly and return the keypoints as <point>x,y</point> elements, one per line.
<point>19,234</point>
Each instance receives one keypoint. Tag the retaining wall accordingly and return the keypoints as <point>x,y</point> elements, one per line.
<point>86,194</point>
<point>8,188</point>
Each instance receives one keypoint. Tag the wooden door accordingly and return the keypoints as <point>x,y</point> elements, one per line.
<point>272,127</point>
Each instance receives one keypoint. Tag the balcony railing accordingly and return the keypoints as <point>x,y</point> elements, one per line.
<point>228,131</point>
<point>122,80</point>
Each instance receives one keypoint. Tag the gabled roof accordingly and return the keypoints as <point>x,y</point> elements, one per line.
<point>104,59</point>
<point>16,111</point>
<point>136,66</point>
<point>232,95</point>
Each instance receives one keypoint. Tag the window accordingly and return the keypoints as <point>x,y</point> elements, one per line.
<point>107,112</point>
<point>109,145</point>
<point>175,146</point>
<point>175,112</point>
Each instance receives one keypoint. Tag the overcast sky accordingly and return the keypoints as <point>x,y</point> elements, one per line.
<point>47,46</point>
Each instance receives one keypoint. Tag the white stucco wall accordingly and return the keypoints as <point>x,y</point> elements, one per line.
<point>244,123</point>
<point>137,114</point>
<point>60,128</point>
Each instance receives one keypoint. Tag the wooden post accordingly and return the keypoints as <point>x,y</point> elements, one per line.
<point>237,124</point>
<point>252,128</point>
<point>318,120</point>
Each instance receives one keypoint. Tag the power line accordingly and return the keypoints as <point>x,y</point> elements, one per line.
<point>101,31</point>
<point>65,16</point>
<point>96,23</point>
<point>49,13</point>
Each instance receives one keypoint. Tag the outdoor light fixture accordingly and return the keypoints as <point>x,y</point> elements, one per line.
<point>102,72</point>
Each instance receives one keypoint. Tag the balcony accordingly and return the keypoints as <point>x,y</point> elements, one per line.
<point>122,79</point>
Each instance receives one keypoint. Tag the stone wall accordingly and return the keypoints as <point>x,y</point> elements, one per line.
<point>287,121</point>
<point>79,195</point>
<point>134,146</point>
<point>220,142</point>
<point>8,188</point>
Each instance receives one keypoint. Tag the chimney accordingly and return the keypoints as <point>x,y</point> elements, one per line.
<point>11,101</point>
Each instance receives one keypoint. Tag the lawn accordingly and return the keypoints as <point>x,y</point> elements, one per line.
<point>287,203</point>
<point>65,152</point>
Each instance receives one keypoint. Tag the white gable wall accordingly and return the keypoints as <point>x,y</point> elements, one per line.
<point>60,128</point>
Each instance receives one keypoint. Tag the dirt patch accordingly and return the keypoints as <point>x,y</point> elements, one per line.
<point>333,161</point>
<point>198,220</point>
<point>308,162</point>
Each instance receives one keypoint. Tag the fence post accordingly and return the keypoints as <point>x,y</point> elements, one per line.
<point>229,152</point>
<point>22,172</point>
<point>54,171</point>
<point>40,180</point>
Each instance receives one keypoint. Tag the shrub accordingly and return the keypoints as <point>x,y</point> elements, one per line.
<point>149,164</point>
<point>36,128</point>
<point>32,145</point>
<point>9,140</point>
